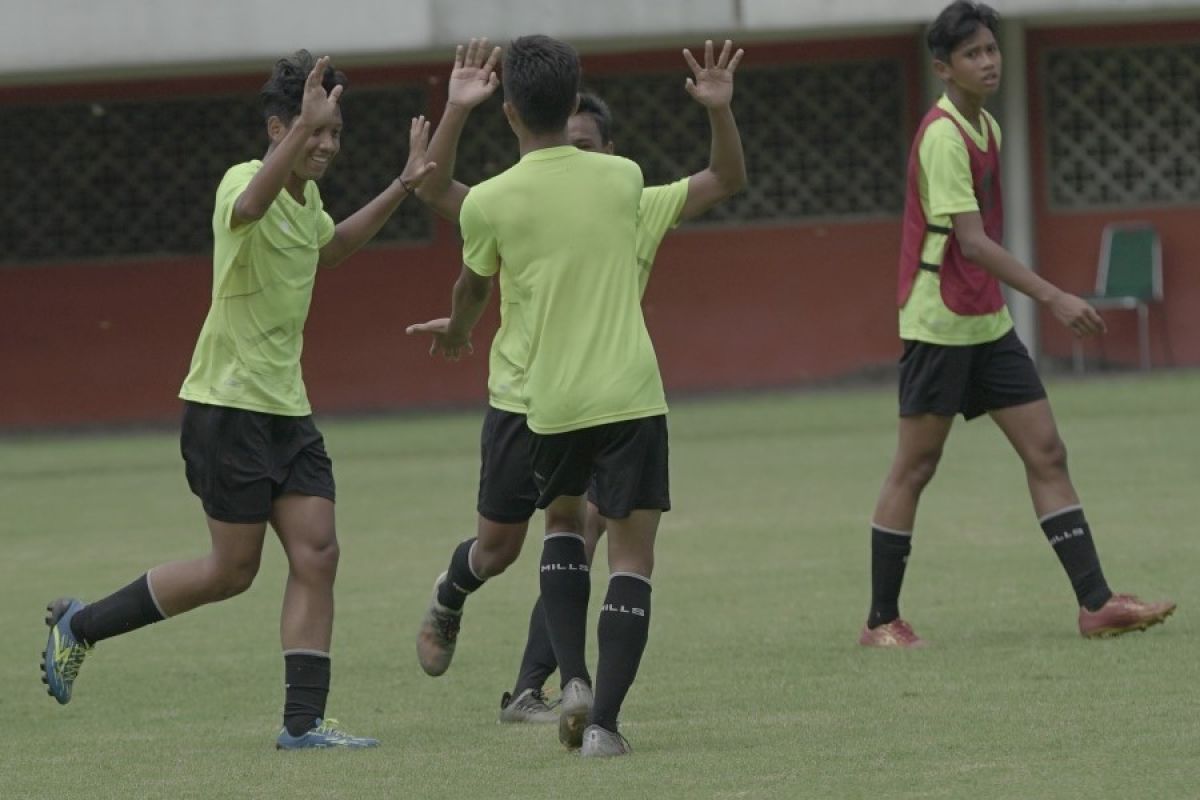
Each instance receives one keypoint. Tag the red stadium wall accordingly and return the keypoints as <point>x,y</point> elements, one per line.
<point>733,307</point>
<point>1068,242</point>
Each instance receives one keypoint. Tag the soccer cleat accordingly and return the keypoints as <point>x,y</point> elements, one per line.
<point>64,653</point>
<point>325,733</point>
<point>896,633</point>
<point>529,706</point>
<point>1121,614</point>
<point>573,710</point>
<point>602,743</point>
<point>438,634</point>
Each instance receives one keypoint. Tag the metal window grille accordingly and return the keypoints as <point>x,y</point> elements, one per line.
<point>124,178</point>
<point>1123,126</point>
<point>821,140</point>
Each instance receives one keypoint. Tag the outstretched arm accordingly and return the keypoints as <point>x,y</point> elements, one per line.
<point>268,182</point>
<point>472,81</point>
<point>1073,312</point>
<point>712,87</point>
<point>452,336</point>
<point>361,226</point>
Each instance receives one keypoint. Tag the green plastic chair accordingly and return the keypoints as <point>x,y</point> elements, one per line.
<point>1128,277</point>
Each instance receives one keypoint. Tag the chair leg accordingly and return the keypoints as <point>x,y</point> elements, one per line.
<point>1143,312</point>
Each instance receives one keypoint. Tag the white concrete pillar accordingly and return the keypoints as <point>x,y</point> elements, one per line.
<point>1017,175</point>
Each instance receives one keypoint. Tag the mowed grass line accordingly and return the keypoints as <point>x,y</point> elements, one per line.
<point>752,685</point>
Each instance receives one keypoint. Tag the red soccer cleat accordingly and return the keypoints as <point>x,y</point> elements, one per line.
<point>896,633</point>
<point>1121,614</point>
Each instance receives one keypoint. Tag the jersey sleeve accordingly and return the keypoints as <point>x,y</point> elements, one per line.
<point>657,214</point>
<point>325,228</point>
<point>236,179</point>
<point>481,248</point>
<point>947,170</point>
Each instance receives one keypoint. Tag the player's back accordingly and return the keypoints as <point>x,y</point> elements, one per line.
<point>563,226</point>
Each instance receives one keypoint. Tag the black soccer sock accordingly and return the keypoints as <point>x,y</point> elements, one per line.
<point>538,662</point>
<point>1069,535</point>
<point>566,585</point>
<point>622,633</point>
<point>889,557</point>
<point>122,611</point>
<point>306,686</point>
<point>461,580</point>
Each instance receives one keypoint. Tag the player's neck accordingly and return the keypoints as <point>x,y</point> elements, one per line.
<point>540,141</point>
<point>968,104</point>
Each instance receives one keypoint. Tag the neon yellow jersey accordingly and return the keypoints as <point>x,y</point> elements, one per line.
<point>658,213</point>
<point>946,188</point>
<point>561,227</point>
<point>248,353</point>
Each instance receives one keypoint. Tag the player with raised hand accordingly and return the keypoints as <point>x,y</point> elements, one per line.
<point>961,354</point>
<point>252,452</point>
<point>507,485</point>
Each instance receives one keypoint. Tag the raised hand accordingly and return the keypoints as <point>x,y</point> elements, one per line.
<point>1077,314</point>
<point>712,84</point>
<point>474,77</point>
<point>418,166</point>
<point>451,348</point>
<point>317,104</point>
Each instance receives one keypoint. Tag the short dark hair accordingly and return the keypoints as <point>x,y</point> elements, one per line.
<point>283,92</point>
<point>541,80</point>
<point>590,103</point>
<point>958,22</point>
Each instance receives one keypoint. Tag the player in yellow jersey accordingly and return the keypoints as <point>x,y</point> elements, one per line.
<point>508,490</point>
<point>507,493</point>
<point>961,354</point>
<point>253,455</point>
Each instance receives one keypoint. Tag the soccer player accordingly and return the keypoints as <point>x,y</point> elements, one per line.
<point>507,490</point>
<point>561,228</point>
<point>961,354</point>
<point>252,452</point>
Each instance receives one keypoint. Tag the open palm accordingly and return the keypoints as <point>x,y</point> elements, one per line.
<point>712,84</point>
<point>474,77</point>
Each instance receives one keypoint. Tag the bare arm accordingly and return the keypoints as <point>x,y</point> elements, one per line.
<point>452,336</point>
<point>266,184</point>
<point>978,247</point>
<point>725,174</point>
<point>361,226</point>
<point>472,81</point>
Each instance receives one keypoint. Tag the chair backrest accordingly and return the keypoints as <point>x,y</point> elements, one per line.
<point>1130,262</point>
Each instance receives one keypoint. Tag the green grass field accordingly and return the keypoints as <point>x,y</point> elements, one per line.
<point>752,685</point>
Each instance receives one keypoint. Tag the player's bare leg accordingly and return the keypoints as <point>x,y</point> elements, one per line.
<point>1031,429</point>
<point>624,627</point>
<point>919,447</point>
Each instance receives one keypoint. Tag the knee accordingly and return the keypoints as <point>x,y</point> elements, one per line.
<point>1048,457</point>
<point>230,578</point>
<point>916,474</point>
<point>492,558</point>
<point>316,559</point>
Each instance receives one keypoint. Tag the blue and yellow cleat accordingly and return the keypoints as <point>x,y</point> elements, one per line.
<point>325,734</point>
<point>64,653</point>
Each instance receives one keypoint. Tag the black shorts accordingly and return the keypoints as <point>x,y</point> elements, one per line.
<point>967,379</point>
<point>238,462</point>
<point>507,493</point>
<point>623,463</point>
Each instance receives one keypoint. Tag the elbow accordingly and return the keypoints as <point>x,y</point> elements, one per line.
<point>737,183</point>
<point>971,247</point>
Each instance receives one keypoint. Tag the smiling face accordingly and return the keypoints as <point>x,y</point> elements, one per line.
<point>320,148</point>
<point>974,65</point>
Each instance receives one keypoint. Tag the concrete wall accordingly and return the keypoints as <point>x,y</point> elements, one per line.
<point>77,38</point>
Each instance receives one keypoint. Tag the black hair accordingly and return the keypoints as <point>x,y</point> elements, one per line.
<point>541,80</point>
<point>283,92</point>
<point>958,22</point>
<point>590,103</point>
